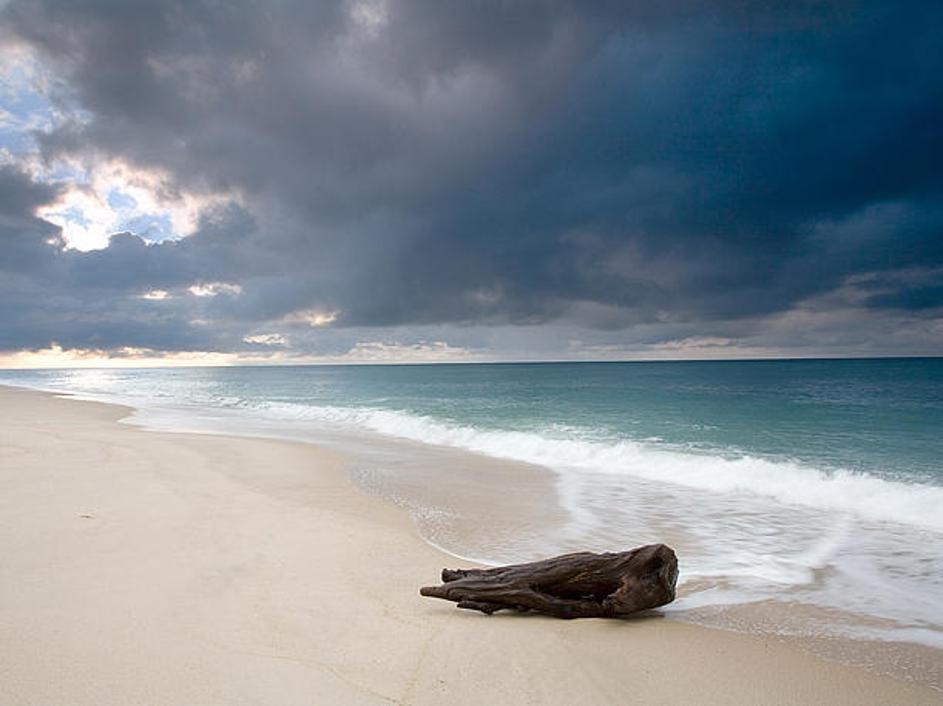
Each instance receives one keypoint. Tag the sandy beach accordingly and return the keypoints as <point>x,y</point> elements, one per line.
<point>151,568</point>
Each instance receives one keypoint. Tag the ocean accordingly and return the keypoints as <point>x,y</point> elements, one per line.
<point>802,497</point>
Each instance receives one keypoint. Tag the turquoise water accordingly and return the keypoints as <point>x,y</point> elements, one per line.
<point>878,416</point>
<point>814,482</point>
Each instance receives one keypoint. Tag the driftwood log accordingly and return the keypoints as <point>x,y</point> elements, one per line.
<point>581,585</point>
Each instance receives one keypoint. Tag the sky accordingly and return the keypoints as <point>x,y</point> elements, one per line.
<point>401,181</point>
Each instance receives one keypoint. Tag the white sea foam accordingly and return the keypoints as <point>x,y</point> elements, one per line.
<point>787,482</point>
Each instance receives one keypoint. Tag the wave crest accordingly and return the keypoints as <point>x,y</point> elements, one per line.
<point>843,491</point>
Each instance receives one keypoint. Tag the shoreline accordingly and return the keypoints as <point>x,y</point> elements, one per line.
<point>492,510</point>
<point>236,570</point>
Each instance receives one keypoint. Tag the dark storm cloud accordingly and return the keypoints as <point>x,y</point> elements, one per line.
<point>87,300</point>
<point>411,163</point>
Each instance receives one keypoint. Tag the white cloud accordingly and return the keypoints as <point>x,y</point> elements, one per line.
<point>370,16</point>
<point>106,197</point>
<point>266,339</point>
<point>424,351</point>
<point>311,317</point>
<point>212,289</point>
<point>696,342</point>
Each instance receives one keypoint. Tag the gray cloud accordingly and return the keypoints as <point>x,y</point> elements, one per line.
<point>692,167</point>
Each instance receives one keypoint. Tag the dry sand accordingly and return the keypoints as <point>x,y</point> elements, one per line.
<point>148,568</point>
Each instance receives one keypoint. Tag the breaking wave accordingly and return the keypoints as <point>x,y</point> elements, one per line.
<point>841,491</point>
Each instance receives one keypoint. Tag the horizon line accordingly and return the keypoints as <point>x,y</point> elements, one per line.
<point>561,361</point>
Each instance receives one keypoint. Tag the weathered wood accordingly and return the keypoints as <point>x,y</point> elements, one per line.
<point>581,585</point>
